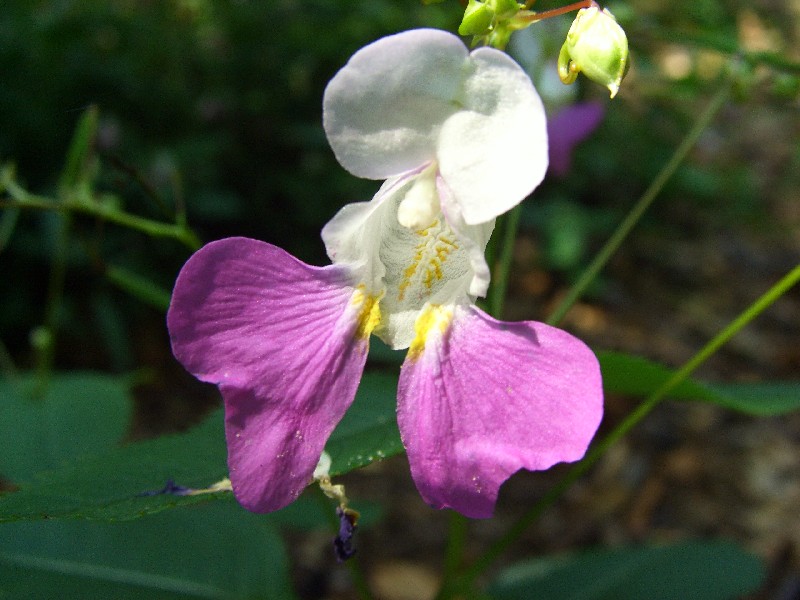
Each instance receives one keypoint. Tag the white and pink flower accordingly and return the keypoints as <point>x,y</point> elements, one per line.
<point>286,343</point>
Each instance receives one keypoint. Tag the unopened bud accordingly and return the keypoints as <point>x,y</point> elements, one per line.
<point>596,46</point>
<point>505,9</point>
<point>477,19</point>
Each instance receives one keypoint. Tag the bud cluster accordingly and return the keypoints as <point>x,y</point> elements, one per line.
<point>596,45</point>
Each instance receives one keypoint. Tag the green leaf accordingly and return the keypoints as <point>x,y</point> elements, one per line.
<point>368,431</point>
<point>637,376</point>
<point>707,570</point>
<point>80,414</point>
<point>110,486</point>
<point>215,551</point>
<point>762,399</point>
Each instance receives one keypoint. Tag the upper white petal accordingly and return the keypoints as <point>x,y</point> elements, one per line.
<point>493,153</point>
<point>419,97</point>
<point>383,110</point>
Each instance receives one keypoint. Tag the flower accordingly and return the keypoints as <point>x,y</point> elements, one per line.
<point>419,104</point>
<point>478,399</point>
<point>569,127</point>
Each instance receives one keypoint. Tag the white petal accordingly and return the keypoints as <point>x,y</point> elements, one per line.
<point>473,240</point>
<point>493,153</point>
<point>420,206</point>
<point>354,235</point>
<point>408,268</point>
<point>383,110</point>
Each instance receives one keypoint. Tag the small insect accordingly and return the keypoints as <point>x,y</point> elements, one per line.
<point>170,488</point>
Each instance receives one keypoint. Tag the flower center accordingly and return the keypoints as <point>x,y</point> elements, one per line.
<point>420,206</point>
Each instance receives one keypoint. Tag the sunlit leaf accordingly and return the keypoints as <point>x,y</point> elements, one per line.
<point>763,399</point>
<point>636,376</point>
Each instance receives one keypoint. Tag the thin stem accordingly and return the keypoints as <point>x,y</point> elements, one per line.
<point>597,451</point>
<point>641,206</point>
<point>24,200</point>
<point>7,366</point>
<point>7,224</point>
<point>46,342</point>
<point>556,12</point>
<point>497,292</point>
<point>454,553</point>
<point>359,581</point>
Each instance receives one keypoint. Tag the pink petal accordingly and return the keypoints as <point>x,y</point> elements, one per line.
<point>281,340</point>
<point>486,398</point>
<point>567,129</point>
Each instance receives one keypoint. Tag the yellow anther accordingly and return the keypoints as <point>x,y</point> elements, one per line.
<point>369,314</point>
<point>432,316</point>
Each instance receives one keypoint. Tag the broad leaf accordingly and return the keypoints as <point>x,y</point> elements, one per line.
<point>636,376</point>
<point>216,551</point>
<point>120,484</point>
<point>368,431</point>
<point>79,414</point>
<point>763,399</point>
<point>711,570</point>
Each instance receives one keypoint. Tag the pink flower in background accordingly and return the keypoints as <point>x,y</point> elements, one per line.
<point>568,128</point>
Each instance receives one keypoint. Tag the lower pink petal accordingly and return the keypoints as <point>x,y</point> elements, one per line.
<point>281,340</point>
<point>485,398</point>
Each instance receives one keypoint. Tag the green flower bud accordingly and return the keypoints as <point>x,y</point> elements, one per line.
<point>597,46</point>
<point>477,19</point>
<point>505,9</point>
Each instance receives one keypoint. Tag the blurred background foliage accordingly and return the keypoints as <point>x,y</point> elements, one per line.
<point>216,106</point>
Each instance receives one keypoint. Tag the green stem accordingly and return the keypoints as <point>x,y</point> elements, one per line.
<point>7,367</point>
<point>359,581</point>
<point>556,12</point>
<point>597,451</point>
<point>454,553</point>
<point>55,294</point>
<point>641,206</point>
<point>7,224</point>
<point>24,200</point>
<point>499,287</point>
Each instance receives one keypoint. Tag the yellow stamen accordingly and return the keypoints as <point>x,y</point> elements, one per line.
<point>434,246</point>
<point>369,314</point>
<point>432,316</point>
